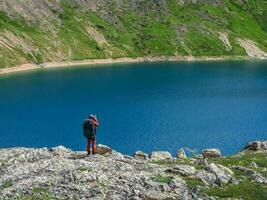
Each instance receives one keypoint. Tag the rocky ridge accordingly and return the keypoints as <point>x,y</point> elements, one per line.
<point>59,173</point>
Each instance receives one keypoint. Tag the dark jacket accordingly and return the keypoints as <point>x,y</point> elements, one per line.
<point>88,130</point>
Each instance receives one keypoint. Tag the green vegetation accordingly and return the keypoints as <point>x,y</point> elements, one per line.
<point>85,169</point>
<point>243,160</point>
<point>191,183</point>
<point>40,190</point>
<point>246,190</point>
<point>75,32</point>
<point>162,179</point>
<point>6,184</point>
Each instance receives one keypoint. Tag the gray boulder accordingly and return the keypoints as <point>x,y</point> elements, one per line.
<point>253,165</point>
<point>140,155</point>
<point>60,151</point>
<point>206,177</point>
<point>211,153</point>
<point>256,146</point>
<point>257,177</point>
<point>184,170</point>
<point>180,154</point>
<point>223,174</point>
<point>160,155</point>
<point>103,149</point>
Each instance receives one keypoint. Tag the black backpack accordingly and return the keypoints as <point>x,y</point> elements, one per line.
<point>87,126</point>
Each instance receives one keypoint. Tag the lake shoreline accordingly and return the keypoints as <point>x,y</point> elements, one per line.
<point>47,65</point>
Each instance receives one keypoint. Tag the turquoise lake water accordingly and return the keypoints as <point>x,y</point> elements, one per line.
<point>144,106</point>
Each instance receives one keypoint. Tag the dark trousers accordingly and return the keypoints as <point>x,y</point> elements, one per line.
<point>89,142</point>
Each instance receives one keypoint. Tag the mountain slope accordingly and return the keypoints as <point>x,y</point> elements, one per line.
<point>59,30</point>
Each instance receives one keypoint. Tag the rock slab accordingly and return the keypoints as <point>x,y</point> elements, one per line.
<point>140,155</point>
<point>211,153</point>
<point>160,155</point>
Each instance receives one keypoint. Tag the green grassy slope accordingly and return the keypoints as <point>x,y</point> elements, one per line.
<point>116,29</point>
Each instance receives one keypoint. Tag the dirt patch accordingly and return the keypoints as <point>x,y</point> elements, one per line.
<point>224,38</point>
<point>251,48</point>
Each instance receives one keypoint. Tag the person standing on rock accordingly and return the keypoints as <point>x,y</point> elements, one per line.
<point>89,130</point>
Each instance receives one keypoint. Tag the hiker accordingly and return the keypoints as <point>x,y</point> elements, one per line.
<point>89,130</point>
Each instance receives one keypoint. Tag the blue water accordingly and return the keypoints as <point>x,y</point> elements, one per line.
<point>145,106</point>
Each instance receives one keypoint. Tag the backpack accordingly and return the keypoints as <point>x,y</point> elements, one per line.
<point>87,126</point>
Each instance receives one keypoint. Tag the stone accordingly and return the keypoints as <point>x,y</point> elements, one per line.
<point>223,174</point>
<point>154,195</point>
<point>160,155</point>
<point>180,154</point>
<point>60,151</point>
<point>140,155</point>
<point>103,149</point>
<point>184,170</point>
<point>257,177</point>
<point>253,165</point>
<point>201,162</point>
<point>206,177</point>
<point>256,146</point>
<point>211,153</point>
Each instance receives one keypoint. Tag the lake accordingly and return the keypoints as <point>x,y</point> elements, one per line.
<point>141,106</point>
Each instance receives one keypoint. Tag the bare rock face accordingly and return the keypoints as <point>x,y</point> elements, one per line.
<point>206,177</point>
<point>180,154</point>
<point>57,174</point>
<point>35,11</point>
<point>223,174</point>
<point>184,170</point>
<point>160,155</point>
<point>256,146</point>
<point>211,153</point>
<point>140,155</point>
<point>103,149</point>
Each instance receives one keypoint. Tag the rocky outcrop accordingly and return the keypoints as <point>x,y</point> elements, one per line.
<point>211,153</point>
<point>223,174</point>
<point>103,149</point>
<point>184,170</point>
<point>257,177</point>
<point>252,48</point>
<point>180,154</point>
<point>140,155</point>
<point>225,39</point>
<point>63,174</point>
<point>256,146</point>
<point>206,177</point>
<point>60,173</point>
<point>160,155</point>
<point>60,151</point>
